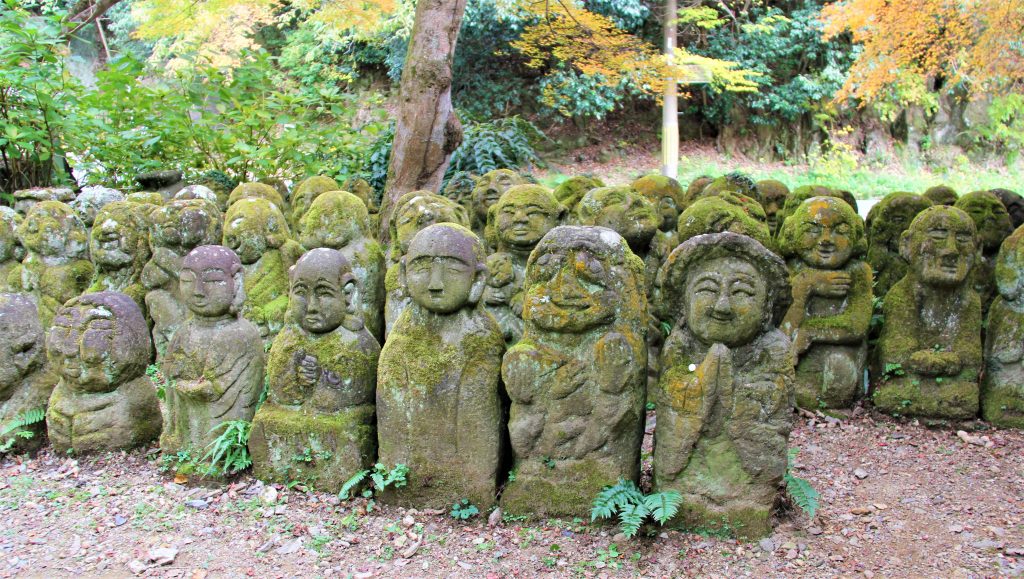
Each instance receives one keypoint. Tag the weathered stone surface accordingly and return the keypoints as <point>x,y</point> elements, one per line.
<point>305,193</point>
<point>215,361</point>
<point>941,195</point>
<point>438,405</point>
<point>577,377</point>
<point>667,195</point>
<point>805,192</point>
<point>773,199</point>
<point>11,251</point>
<point>339,220</point>
<point>929,352</point>
<point>100,345</point>
<point>725,398</point>
<point>166,182</point>
<point>256,191</point>
<point>89,202</point>
<point>460,188</point>
<point>517,222</point>
<point>25,199</point>
<point>695,188</point>
<point>1002,391</point>
<point>317,424</point>
<point>26,377</point>
<point>992,221</point>
<point>119,249</point>
<point>721,213</point>
<point>625,211</point>
<point>175,229</point>
<point>255,229</point>
<point>1014,204</point>
<point>570,191</point>
<point>146,198</point>
<point>886,222</point>
<point>198,192</point>
<point>486,192</point>
<point>56,266</point>
<point>362,189</point>
<point>736,183</point>
<point>414,211</point>
<point>828,321</point>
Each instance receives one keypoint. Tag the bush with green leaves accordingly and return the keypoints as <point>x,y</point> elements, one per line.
<point>464,510</point>
<point>228,453</point>
<point>380,477</point>
<point>15,430</point>
<point>626,502</point>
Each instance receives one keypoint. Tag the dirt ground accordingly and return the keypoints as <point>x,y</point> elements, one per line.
<point>898,500</point>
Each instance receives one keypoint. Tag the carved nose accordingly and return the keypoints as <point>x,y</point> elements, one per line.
<point>722,305</point>
<point>436,279</point>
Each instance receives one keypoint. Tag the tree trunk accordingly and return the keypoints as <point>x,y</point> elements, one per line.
<point>427,130</point>
<point>670,112</point>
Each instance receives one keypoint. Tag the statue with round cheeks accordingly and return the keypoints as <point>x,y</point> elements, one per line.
<point>735,183</point>
<point>664,192</point>
<point>522,216</point>
<point>119,248</point>
<point>1014,204</point>
<point>805,192</point>
<point>11,251</point>
<point>26,378</point>
<point>53,230</point>
<point>991,219</point>
<point>941,195</point>
<point>717,214</point>
<point>489,188</point>
<point>252,227</point>
<point>570,191</point>
<point>100,345</point>
<point>622,210</point>
<point>417,210</point>
<point>88,203</point>
<point>211,282</point>
<point>1002,394</point>
<point>444,269</point>
<point>940,246</point>
<point>305,193</point>
<point>886,222</point>
<point>335,219</point>
<point>773,198</point>
<point>323,293</point>
<point>824,233</point>
<point>256,191</point>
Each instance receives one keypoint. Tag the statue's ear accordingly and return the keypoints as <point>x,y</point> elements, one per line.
<point>401,276</point>
<point>476,291</point>
<point>905,245</point>
<point>238,278</point>
<point>351,291</point>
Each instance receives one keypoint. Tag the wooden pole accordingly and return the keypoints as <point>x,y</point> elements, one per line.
<point>670,109</point>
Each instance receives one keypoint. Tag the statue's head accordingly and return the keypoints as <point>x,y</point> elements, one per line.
<point>362,189</point>
<point>891,216</point>
<point>695,188</point>
<point>305,193</point>
<point>336,219</point>
<point>417,210</point>
<point>941,195</point>
<point>941,246</point>
<point>490,187</point>
<point>622,210</point>
<point>523,215</point>
<point>582,278</point>
<point>119,238</point>
<point>666,194</point>
<point>736,183</point>
<point>727,212</point>
<point>53,229</point>
<point>990,217</point>
<point>256,191</point>
<point>184,224</point>
<point>211,282</point>
<point>1010,267</point>
<point>22,341</point>
<point>570,191</point>
<point>444,269</point>
<point>773,198</point>
<point>88,203</point>
<point>323,293</point>
<point>824,232</point>
<point>10,246</point>
<point>500,279</point>
<point>1014,204</point>
<point>99,341</point>
<point>460,188</point>
<point>726,288</point>
<point>805,192</point>
<point>252,227</point>
<point>197,192</point>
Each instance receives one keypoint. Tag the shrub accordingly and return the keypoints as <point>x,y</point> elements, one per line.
<point>633,507</point>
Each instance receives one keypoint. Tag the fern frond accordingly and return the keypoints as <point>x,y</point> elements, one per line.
<point>664,505</point>
<point>803,494</point>
<point>631,517</point>
<point>351,484</point>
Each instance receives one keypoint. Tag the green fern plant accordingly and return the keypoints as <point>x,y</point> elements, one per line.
<point>229,452</point>
<point>380,478</point>
<point>800,490</point>
<point>14,430</point>
<point>504,143</point>
<point>632,507</point>
<point>160,380</point>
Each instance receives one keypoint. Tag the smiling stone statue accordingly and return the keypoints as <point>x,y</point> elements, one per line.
<point>26,378</point>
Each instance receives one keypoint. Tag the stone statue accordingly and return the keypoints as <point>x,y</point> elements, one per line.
<point>886,222</point>
<point>119,248</point>
<point>725,397</point>
<point>773,198</point>
<point>460,188</point>
<point>1014,204</point>
<point>166,182</point>
<point>149,199</point>
<point>570,191</point>
<point>26,378</point>
<point>667,195</point>
<point>992,222</point>
<point>11,251</point>
<point>694,190</point>
<point>198,192</point>
<point>25,199</point>
<point>716,214</point>
<point>56,266</point>
<point>1002,390</point>
<point>339,220</point>
<point>941,195</point>
<point>362,189</point>
<point>805,192</point>
<point>626,212</point>
<point>305,193</point>
<point>175,229</point>
<point>828,321</point>
<point>577,379</point>
<point>414,212</point>
<point>89,202</point>
<point>438,382</point>
<point>520,218</point>
<point>489,188</point>
<point>317,424</point>
<point>257,191</point>
<point>100,345</point>
<point>736,183</point>
<point>929,352</point>
<point>215,362</point>
<point>255,229</point>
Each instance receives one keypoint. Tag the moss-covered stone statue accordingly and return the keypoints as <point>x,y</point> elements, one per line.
<point>149,199</point>
<point>460,188</point>
<point>570,191</point>
<point>695,188</point>
<point>11,251</point>
<point>1002,390</point>
<point>941,195</point>
<point>199,192</point>
<point>438,382</point>
<point>725,397</point>
<point>100,345</point>
<point>339,220</point>
<point>992,222</point>
<point>119,249</point>
<point>523,215</point>
<point>488,189</point>
<point>305,193</point>
<point>26,377</point>
<point>25,199</point>
<point>719,213</point>
<point>667,195</point>
<point>362,189</point>
<point>89,202</point>
<point>56,265</point>
<point>577,379</point>
<point>175,229</point>
<point>805,192</point>
<point>414,212</point>
<point>215,363</point>
<point>828,321</point>
<point>317,424</point>
<point>735,183</point>
<point>886,222</point>
<point>628,213</point>
<point>929,352</point>
<point>773,199</point>
<point>257,191</point>
<point>256,231</point>
<point>1014,204</point>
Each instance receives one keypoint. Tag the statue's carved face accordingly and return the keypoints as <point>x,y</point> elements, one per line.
<point>774,199</point>
<point>894,218</point>
<point>439,281</point>
<point>334,220</point>
<point>420,213</point>
<point>51,228</point>
<point>991,219</point>
<point>572,292</point>
<point>942,247</point>
<point>490,187</point>
<point>252,227</point>
<point>500,278</point>
<point>81,344</point>
<point>317,296</point>
<point>726,301</point>
<point>523,218</point>
<point>114,238</point>
<point>622,210</point>
<point>185,224</point>
<point>21,343</point>
<point>825,240</point>
<point>207,281</point>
